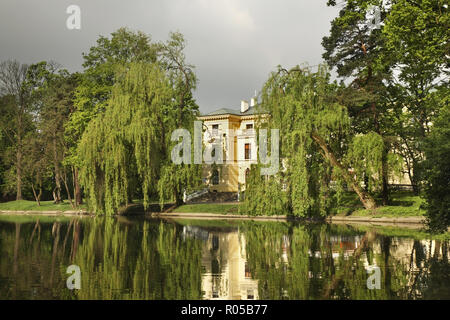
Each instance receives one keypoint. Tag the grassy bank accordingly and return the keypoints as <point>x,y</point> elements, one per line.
<point>219,208</point>
<point>403,204</point>
<point>25,205</point>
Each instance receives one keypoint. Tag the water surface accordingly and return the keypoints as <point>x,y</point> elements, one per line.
<point>125,258</point>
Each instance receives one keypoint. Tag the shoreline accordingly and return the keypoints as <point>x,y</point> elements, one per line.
<point>403,221</point>
<point>415,222</point>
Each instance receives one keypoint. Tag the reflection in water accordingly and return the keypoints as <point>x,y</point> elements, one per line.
<point>225,270</point>
<point>153,259</point>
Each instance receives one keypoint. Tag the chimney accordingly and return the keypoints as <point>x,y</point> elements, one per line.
<point>244,106</point>
<point>253,102</point>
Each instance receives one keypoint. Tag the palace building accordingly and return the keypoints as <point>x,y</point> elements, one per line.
<point>234,131</point>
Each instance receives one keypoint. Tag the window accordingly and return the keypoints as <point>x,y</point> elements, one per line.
<point>248,274</point>
<point>248,152</point>
<point>249,126</point>
<point>215,129</point>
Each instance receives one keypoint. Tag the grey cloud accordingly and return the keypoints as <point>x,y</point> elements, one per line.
<point>233,44</point>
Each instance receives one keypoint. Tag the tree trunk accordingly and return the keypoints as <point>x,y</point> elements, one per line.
<point>178,198</point>
<point>367,201</point>
<point>67,190</point>
<point>77,193</point>
<point>19,172</point>
<point>19,153</point>
<point>384,172</point>
<point>37,197</point>
<point>57,190</point>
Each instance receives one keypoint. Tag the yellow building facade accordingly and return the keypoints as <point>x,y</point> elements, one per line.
<point>233,131</point>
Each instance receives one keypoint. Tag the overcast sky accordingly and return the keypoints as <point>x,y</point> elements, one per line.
<point>234,44</point>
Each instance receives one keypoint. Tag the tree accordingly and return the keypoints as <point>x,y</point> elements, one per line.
<point>123,149</point>
<point>16,116</point>
<point>52,95</point>
<point>437,171</point>
<point>314,135</point>
<point>101,65</point>
<point>417,48</point>
<point>97,80</point>
<point>354,48</point>
<point>36,166</point>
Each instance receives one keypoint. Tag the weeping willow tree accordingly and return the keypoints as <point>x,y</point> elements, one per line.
<point>126,149</point>
<point>319,154</point>
<point>365,155</point>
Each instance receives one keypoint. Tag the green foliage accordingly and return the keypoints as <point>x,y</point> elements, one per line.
<point>437,166</point>
<point>101,64</point>
<point>416,47</point>
<point>127,145</point>
<point>16,121</point>
<point>175,179</point>
<point>303,106</point>
<point>52,98</point>
<point>416,36</point>
<point>126,139</point>
<point>352,46</point>
<point>360,54</point>
<point>301,103</point>
<point>264,195</point>
<point>365,154</point>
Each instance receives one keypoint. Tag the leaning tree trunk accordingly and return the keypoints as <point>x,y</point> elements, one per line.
<point>367,201</point>
<point>37,197</point>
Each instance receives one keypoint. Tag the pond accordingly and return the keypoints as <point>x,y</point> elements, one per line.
<point>144,258</point>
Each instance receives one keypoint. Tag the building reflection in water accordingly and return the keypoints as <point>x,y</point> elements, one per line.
<point>225,273</point>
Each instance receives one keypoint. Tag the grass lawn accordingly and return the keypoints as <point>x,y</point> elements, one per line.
<point>221,208</point>
<point>26,205</point>
<point>403,204</point>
